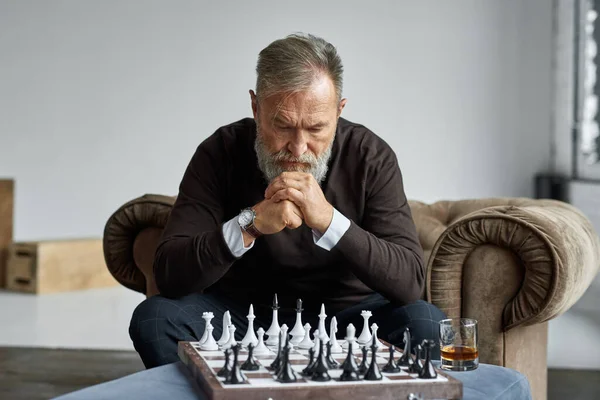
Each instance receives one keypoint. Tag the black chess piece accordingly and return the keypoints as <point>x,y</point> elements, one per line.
<point>416,367</point>
<point>226,370</point>
<point>331,362</point>
<point>277,361</point>
<point>236,376</point>
<point>277,370</point>
<point>428,371</point>
<point>311,363</point>
<point>391,366</point>
<point>364,366</point>
<point>406,359</point>
<point>251,364</point>
<point>286,372</point>
<point>320,373</point>
<point>373,373</point>
<point>349,366</point>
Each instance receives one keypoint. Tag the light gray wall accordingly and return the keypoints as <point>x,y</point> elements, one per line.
<point>102,101</point>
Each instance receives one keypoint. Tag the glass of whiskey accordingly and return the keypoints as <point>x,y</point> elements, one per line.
<point>458,344</point>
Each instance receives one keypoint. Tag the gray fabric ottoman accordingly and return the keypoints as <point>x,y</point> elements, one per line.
<point>174,382</point>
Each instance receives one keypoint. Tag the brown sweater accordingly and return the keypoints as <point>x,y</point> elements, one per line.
<point>380,252</point>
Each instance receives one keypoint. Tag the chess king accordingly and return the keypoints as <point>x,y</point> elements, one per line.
<point>295,200</point>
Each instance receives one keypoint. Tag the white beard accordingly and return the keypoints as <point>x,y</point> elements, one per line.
<point>271,168</point>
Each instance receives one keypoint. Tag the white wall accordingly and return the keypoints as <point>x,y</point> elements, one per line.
<point>102,101</point>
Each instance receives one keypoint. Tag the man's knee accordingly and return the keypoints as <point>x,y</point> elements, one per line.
<point>422,319</point>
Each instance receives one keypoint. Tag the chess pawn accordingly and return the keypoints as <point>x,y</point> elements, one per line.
<point>250,364</point>
<point>285,336</point>
<point>286,373</point>
<point>231,342</point>
<point>298,331</point>
<point>209,342</point>
<point>406,360</point>
<point>320,373</point>
<point>335,346</point>
<point>322,331</point>
<point>207,317</point>
<point>365,335</point>
<point>331,362</point>
<point>373,373</point>
<point>416,367</point>
<point>250,337</point>
<point>350,335</point>
<point>428,371</point>
<point>317,341</point>
<point>225,332</point>
<point>261,349</point>
<point>364,363</point>
<point>349,367</point>
<point>391,366</point>
<point>374,328</point>
<point>273,331</point>
<point>226,369</point>
<point>236,376</point>
<point>308,371</point>
<point>306,343</point>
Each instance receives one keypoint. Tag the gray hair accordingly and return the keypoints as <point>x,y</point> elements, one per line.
<point>293,63</point>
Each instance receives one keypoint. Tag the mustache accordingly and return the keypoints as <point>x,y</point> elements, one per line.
<point>285,156</point>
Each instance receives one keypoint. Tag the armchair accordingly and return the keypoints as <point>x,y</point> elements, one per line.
<point>511,263</point>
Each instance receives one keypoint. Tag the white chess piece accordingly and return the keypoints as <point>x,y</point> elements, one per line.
<point>335,346</point>
<point>261,348</point>
<point>317,345</point>
<point>322,330</point>
<point>306,343</point>
<point>284,336</point>
<point>374,329</point>
<point>274,329</point>
<point>365,335</point>
<point>231,342</point>
<point>209,343</point>
<point>297,331</point>
<point>250,336</point>
<point>350,334</point>
<point>225,333</point>
<point>207,316</point>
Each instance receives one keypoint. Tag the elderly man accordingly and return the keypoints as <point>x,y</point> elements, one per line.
<point>297,202</point>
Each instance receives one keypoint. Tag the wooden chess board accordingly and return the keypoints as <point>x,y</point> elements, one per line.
<point>261,384</point>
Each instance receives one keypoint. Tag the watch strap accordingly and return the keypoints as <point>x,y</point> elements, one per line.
<point>252,231</point>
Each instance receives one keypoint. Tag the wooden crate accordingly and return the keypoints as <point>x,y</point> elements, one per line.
<point>6,224</point>
<point>57,266</point>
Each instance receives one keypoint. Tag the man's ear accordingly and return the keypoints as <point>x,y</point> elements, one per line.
<point>254,103</point>
<point>341,106</point>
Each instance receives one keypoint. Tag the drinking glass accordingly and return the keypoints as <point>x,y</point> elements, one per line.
<point>458,344</point>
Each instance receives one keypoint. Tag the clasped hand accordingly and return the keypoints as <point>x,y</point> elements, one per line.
<point>291,198</point>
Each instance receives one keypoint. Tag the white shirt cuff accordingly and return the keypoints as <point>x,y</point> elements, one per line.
<point>232,232</point>
<point>339,225</point>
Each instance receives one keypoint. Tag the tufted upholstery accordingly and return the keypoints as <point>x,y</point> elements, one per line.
<point>511,263</point>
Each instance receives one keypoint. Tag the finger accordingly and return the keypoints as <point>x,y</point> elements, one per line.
<point>293,220</point>
<point>293,195</point>
<point>285,180</point>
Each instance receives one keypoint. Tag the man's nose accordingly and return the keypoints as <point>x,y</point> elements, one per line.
<point>298,144</point>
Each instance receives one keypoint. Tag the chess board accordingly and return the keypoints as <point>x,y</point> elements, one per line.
<point>261,384</point>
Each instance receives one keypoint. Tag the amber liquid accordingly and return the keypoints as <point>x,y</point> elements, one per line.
<point>459,353</point>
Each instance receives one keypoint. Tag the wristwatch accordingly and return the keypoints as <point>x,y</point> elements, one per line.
<point>246,222</point>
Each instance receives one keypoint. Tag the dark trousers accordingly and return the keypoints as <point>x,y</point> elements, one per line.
<point>159,323</point>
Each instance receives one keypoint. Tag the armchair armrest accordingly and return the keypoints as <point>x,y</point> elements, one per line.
<point>149,212</point>
<point>553,242</point>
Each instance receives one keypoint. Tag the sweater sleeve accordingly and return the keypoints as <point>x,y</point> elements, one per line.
<point>384,251</point>
<point>193,253</point>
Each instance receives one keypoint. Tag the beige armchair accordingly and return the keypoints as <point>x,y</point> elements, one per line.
<point>511,263</point>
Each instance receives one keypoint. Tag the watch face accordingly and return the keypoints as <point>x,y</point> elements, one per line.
<point>245,218</point>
